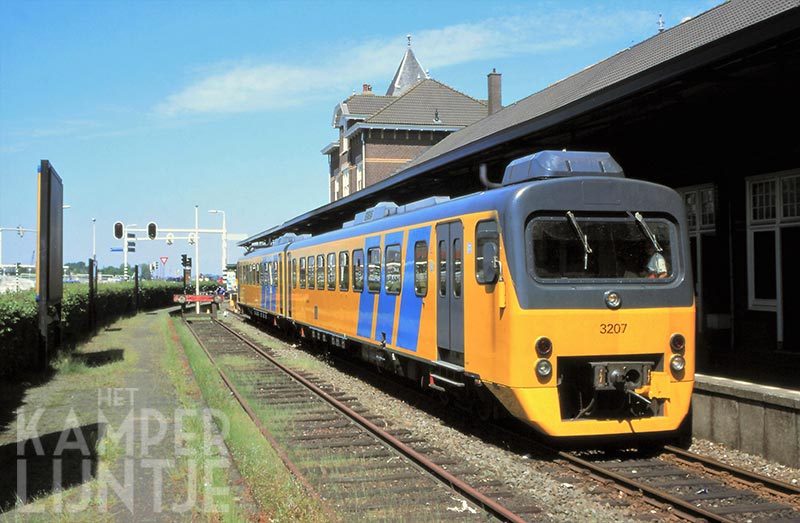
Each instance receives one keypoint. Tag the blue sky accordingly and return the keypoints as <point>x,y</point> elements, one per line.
<point>149,108</point>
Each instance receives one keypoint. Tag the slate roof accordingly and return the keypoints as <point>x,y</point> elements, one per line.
<point>409,73</point>
<point>424,101</point>
<point>708,28</point>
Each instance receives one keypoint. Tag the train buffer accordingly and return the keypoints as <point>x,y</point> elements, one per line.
<point>196,298</point>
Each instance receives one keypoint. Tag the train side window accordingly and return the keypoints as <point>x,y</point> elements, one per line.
<point>265,272</point>
<point>302,273</point>
<point>277,272</point>
<point>374,269</point>
<point>358,270</point>
<point>331,271</point>
<point>344,271</point>
<point>485,232</point>
<point>457,267</point>
<point>311,272</point>
<point>294,273</point>
<point>320,271</point>
<point>421,268</point>
<point>394,269</point>
<point>442,268</point>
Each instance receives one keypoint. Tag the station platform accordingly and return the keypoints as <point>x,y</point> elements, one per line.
<point>770,368</point>
<point>132,383</point>
<point>749,400</point>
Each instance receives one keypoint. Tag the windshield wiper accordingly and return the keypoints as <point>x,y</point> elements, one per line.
<point>584,239</point>
<point>647,231</point>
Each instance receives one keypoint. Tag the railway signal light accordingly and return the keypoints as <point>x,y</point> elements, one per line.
<point>119,230</point>
<point>183,260</point>
<point>152,230</point>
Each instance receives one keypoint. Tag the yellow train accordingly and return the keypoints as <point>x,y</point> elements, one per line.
<point>562,296</point>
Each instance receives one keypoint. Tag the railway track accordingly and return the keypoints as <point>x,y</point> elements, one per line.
<point>677,483</point>
<point>697,488</point>
<point>355,465</point>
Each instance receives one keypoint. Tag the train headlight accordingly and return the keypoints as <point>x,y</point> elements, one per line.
<point>677,342</point>
<point>677,363</point>
<point>543,368</point>
<point>613,300</point>
<point>544,347</point>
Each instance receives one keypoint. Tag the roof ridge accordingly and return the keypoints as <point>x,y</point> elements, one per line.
<point>416,86</point>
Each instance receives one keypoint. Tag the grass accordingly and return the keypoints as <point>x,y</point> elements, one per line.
<point>216,500</point>
<point>279,496</point>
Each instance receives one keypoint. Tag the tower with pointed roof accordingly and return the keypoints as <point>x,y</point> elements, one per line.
<point>409,73</point>
<point>378,134</point>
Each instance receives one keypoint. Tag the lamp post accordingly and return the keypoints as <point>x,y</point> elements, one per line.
<point>224,241</point>
<point>196,259</point>
<point>94,239</point>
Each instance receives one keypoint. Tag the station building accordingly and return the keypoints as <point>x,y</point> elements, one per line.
<point>379,135</point>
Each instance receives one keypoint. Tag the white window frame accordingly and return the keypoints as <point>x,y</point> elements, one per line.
<point>772,224</point>
<point>698,191</point>
<point>697,230</point>
<point>360,175</point>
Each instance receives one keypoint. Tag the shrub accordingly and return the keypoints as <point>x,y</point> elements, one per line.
<point>19,329</point>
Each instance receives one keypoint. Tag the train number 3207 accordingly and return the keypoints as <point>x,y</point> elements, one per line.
<point>613,328</point>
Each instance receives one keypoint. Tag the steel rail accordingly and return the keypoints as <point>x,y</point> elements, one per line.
<point>279,450</point>
<point>444,476</point>
<point>739,473</point>
<point>650,491</point>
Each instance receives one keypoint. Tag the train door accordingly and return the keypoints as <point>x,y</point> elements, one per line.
<point>449,292</point>
<point>290,275</point>
<point>281,286</point>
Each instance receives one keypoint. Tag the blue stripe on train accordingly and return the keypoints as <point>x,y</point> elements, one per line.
<point>366,305</point>
<point>387,303</point>
<point>411,304</point>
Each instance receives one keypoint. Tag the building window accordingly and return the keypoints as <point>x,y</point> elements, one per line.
<point>701,207</point>
<point>360,176</point>
<point>773,205</point>
<point>790,197</point>
<point>762,200</point>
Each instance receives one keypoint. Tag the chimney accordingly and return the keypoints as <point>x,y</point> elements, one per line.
<point>367,88</point>
<point>495,92</point>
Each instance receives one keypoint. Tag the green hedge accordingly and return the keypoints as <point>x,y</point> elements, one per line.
<point>19,331</point>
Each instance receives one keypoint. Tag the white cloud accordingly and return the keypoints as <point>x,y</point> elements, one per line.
<point>248,87</point>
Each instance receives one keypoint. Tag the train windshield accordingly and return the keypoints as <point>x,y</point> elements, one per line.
<point>572,245</point>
